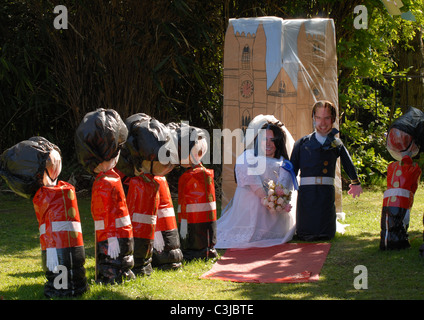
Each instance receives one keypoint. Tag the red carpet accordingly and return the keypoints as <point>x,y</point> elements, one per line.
<point>289,262</point>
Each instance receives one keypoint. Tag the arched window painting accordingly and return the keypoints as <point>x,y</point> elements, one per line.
<point>245,58</point>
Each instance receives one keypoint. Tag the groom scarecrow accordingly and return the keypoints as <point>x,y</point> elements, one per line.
<point>315,155</point>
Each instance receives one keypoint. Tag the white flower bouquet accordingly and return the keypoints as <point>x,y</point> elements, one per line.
<point>278,198</point>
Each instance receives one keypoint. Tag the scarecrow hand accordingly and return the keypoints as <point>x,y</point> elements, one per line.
<point>355,190</point>
<point>113,247</point>
<point>51,259</point>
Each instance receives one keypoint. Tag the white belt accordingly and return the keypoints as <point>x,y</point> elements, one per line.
<point>119,223</point>
<point>199,207</point>
<point>144,218</point>
<point>62,226</point>
<point>166,212</point>
<point>316,180</point>
<point>397,192</point>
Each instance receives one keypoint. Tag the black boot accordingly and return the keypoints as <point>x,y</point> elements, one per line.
<point>393,229</point>
<point>200,241</point>
<point>110,271</point>
<point>143,250</point>
<point>170,256</point>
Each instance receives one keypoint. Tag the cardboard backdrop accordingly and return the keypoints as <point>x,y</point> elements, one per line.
<point>279,67</point>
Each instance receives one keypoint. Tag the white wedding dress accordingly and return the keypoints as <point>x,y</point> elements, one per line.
<point>245,222</point>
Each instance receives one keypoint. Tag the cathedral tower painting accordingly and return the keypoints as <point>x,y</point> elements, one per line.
<point>279,67</point>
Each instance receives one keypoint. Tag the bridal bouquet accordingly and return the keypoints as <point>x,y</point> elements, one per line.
<point>278,198</point>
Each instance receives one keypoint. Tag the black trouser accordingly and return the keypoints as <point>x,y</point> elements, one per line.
<point>200,241</point>
<point>143,251</point>
<point>71,284</point>
<point>171,256</point>
<point>394,228</point>
<point>316,213</point>
<point>115,270</point>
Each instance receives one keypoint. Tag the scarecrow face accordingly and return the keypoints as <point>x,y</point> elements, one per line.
<point>53,169</point>
<point>156,168</point>
<point>107,165</point>
<point>323,120</point>
<point>197,152</point>
<point>400,144</point>
<point>268,144</point>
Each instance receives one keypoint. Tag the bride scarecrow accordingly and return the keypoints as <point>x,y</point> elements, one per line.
<point>263,210</point>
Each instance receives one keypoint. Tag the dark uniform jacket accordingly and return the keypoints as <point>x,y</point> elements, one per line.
<point>316,210</point>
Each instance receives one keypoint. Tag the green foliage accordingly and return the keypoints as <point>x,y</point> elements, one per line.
<point>166,63</point>
<point>364,127</point>
<point>27,108</point>
<point>368,98</point>
<point>164,58</point>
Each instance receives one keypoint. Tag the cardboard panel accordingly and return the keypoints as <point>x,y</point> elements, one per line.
<point>279,67</point>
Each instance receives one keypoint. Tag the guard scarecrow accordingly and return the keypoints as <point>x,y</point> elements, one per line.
<point>404,140</point>
<point>196,194</point>
<point>98,142</point>
<point>156,234</point>
<point>31,169</point>
<point>167,251</point>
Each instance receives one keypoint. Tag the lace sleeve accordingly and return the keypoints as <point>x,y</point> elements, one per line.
<point>246,172</point>
<point>285,178</point>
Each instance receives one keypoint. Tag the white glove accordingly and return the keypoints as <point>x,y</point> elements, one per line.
<point>113,247</point>
<point>183,228</point>
<point>52,260</point>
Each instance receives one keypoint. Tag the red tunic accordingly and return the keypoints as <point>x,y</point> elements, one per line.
<point>166,213</point>
<point>143,201</point>
<point>109,207</point>
<point>402,182</point>
<point>58,217</point>
<point>196,195</point>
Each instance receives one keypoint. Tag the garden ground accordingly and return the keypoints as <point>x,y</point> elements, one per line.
<point>394,275</point>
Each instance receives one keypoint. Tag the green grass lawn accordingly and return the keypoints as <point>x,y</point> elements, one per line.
<point>391,274</point>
